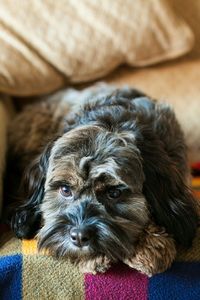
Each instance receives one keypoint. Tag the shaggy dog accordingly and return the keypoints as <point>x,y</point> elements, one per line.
<point>99,177</point>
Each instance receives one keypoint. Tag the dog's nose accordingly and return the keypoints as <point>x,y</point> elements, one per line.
<point>80,236</point>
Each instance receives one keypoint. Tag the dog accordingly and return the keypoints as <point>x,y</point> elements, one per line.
<point>97,173</point>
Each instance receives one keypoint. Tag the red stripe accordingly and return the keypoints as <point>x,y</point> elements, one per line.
<point>120,282</point>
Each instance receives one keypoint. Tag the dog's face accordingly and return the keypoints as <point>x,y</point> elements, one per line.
<point>93,202</point>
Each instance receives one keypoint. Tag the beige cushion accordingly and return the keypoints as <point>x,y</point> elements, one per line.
<point>190,11</point>
<point>46,44</point>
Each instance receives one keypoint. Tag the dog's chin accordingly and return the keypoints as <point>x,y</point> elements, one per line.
<point>62,247</point>
<point>74,252</point>
<point>66,249</point>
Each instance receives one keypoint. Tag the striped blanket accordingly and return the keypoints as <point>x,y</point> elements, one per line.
<point>27,275</point>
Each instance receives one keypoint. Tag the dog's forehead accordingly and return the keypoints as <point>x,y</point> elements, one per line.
<point>74,167</point>
<point>75,141</point>
<point>82,171</point>
<point>92,139</point>
<point>89,151</point>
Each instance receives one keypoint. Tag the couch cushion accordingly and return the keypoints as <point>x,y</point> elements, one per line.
<point>46,44</point>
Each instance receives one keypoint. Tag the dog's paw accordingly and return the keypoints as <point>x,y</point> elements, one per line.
<point>139,265</point>
<point>96,265</point>
<point>24,223</point>
<point>154,253</point>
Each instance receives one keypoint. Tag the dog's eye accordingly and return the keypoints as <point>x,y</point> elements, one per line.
<point>114,193</point>
<point>65,191</point>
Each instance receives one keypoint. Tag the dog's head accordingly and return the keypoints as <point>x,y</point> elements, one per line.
<point>93,202</point>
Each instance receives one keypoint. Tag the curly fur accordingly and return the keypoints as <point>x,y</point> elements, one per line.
<point>117,138</point>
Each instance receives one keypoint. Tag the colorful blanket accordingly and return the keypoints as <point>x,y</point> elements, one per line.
<point>27,275</point>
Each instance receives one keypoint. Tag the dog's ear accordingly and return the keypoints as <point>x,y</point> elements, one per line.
<point>170,200</point>
<point>35,175</point>
<point>25,219</point>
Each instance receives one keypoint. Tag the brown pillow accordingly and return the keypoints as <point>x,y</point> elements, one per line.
<point>47,44</point>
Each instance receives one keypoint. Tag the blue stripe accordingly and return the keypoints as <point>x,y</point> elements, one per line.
<point>180,282</point>
<point>11,277</point>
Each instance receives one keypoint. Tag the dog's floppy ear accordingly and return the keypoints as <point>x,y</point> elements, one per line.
<point>170,200</point>
<point>25,219</point>
<point>35,175</point>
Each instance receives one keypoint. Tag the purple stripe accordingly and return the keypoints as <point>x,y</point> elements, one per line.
<point>120,282</point>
